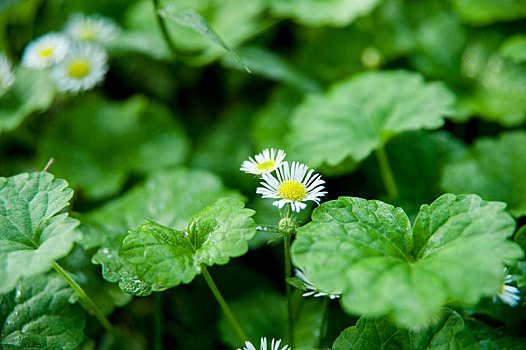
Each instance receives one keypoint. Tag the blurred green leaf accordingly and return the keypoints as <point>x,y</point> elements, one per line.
<point>170,197</point>
<point>38,314</point>
<point>336,13</point>
<point>193,20</point>
<point>494,338</point>
<point>454,251</point>
<point>382,333</point>
<point>267,64</point>
<point>234,21</point>
<point>34,230</point>
<point>356,116</point>
<point>8,3</point>
<point>154,257</point>
<point>31,92</point>
<point>97,143</point>
<point>514,48</point>
<point>483,12</point>
<point>494,169</point>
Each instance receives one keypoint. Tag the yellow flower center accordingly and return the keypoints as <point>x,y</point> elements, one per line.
<point>79,68</point>
<point>87,33</point>
<point>266,165</point>
<point>46,52</point>
<point>292,190</point>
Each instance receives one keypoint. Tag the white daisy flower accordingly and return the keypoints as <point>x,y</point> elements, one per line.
<point>508,294</point>
<point>263,346</point>
<point>7,78</point>
<point>293,185</point>
<point>91,28</point>
<point>45,51</point>
<point>83,68</point>
<point>312,289</point>
<point>266,161</point>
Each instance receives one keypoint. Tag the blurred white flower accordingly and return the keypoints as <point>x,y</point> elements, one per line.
<point>7,78</point>
<point>508,294</point>
<point>263,346</point>
<point>293,185</point>
<point>91,28</point>
<point>312,289</point>
<point>45,51</point>
<point>266,161</point>
<point>83,68</point>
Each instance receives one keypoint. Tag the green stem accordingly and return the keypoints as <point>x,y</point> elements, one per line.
<point>87,302</point>
<point>325,316</point>
<point>158,322</point>
<point>387,173</point>
<point>288,289</point>
<point>164,30</point>
<point>226,309</point>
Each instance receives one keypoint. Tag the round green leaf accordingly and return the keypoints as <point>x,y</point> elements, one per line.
<point>33,231</point>
<point>359,115</point>
<point>495,169</point>
<point>382,333</point>
<point>455,250</point>
<point>154,257</point>
<point>38,314</point>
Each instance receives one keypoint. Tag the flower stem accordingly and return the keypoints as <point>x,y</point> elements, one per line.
<point>288,289</point>
<point>387,173</point>
<point>87,302</point>
<point>164,30</point>
<point>158,322</point>
<point>226,309</point>
<point>325,316</point>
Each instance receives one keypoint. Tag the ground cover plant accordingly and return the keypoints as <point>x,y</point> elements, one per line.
<point>262,174</point>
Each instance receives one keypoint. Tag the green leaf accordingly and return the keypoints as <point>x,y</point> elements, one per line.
<point>267,64</point>
<point>382,333</point>
<point>492,338</point>
<point>170,197</point>
<point>454,251</point>
<point>154,257</point>
<point>494,169</point>
<point>97,143</point>
<point>483,12</point>
<point>34,231</point>
<point>7,4</point>
<point>191,19</point>
<point>355,117</point>
<point>336,13</point>
<point>233,22</point>
<point>31,92</point>
<point>514,48</point>
<point>38,314</point>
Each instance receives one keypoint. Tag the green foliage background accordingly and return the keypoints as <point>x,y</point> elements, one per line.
<point>437,88</point>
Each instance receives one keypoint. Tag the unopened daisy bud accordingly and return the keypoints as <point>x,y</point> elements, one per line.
<point>91,28</point>
<point>292,185</point>
<point>263,346</point>
<point>287,226</point>
<point>45,51</point>
<point>265,162</point>
<point>7,78</point>
<point>83,68</point>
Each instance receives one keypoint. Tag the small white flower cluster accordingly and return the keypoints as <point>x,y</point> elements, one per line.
<point>292,184</point>
<point>263,345</point>
<point>7,78</point>
<point>76,57</point>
